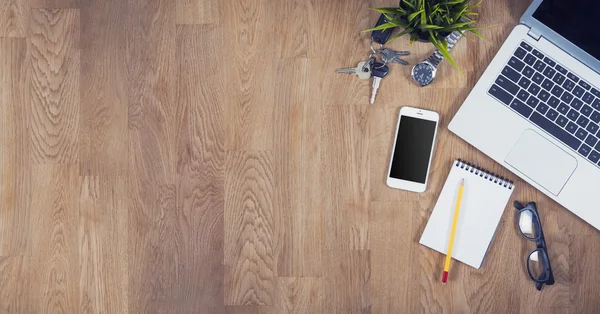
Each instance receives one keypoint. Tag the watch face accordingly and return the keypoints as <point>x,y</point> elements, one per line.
<point>423,73</point>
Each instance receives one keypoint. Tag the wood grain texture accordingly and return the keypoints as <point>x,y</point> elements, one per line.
<point>54,251</point>
<point>55,85</point>
<point>193,156</point>
<point>250,267</point>
<point>15,174</point>
<point>14,18</point>
<point>198,12</point>
<point>55,4</point>
<point>103,111</point>
<point>103,244</point>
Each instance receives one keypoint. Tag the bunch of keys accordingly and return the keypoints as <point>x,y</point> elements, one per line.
<point>371,67</point>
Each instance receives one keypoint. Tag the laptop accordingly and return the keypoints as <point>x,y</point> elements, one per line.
<point>536,108</point>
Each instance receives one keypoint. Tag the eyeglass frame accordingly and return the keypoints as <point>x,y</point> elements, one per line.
<point>540,242</point>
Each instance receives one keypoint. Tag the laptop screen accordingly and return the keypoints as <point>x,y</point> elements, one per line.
<point>575,20</point>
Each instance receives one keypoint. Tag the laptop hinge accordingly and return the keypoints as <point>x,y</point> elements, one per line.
<point>533,33</point>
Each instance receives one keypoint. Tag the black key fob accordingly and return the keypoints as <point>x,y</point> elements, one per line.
<point>382,36</point>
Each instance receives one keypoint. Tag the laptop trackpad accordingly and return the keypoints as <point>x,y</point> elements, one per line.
<point>542,161</point>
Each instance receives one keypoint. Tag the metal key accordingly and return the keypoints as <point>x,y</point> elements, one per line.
<point>362,70</point>
<point>379,71</point>
<point>390,55</point>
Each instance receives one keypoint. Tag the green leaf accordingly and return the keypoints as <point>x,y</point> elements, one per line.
<point>381,27</point>
<point>442,46</point>
<point>428,26</point>
<point>404,32</point>
<point>389,10</point>
<point>409,4</point>
<point>414,15</point>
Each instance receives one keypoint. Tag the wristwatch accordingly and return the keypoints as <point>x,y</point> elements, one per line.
<point>424,73</point>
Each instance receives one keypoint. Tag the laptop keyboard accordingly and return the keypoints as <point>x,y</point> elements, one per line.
<point>553,98</point>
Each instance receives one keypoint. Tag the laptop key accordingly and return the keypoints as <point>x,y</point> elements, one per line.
<point>588,98</point>
<point>528,72</point>
<point>561,70</point>
<point>524,82</point>
<point>562,120</point>
<point>581,134</point>
<point>572,115</point>
<point>557,91</point>
<point>566,97</point>
<point>526,46</point>
<point>585,85</point>
<point>595,92</point>
<point>591,140</point>
<point>578,91</point>
<point>549,72</point>
<point>559,78</point>
<point>595,117</point>
<point>549,61</point>
<point>573,77</point>
<point>521,108</point>
<point>584,150</point>
<point>577,104</point>
<point>520,53</point>
<point>511,74</point>
<point>538,54</point>
<point>533,89</point>
<point>586,110</point>
<point>542,108</point>
<point>596,104</point>
<point>509,86</point>
<point>523,95</point>
<point>547,85</point>
<point>539,65</point>
<point>594,156</point>
<point>538,78</point>
<point>571,127</point>
<point>563,108</point>
<point>583,121</point>
<point>516,63</point>
<point>555,131</point>
<point>568,85</point>
<point>592,128</point>
<point>552,114</point>
<point>500,94</point>
<point>533,102</point>
<point>530,59</point>
<point>553,102</point>
<point>598,146</point>
<point>544,95</point>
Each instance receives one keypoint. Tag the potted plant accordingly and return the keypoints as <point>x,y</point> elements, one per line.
<point>431,21</point>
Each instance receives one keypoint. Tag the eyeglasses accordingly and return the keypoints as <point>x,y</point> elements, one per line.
<point>538,263</point>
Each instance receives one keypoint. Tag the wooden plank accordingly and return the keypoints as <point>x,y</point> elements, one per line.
<point>54,251</point>
<point>15,174</point>
<point>55,82</point>
<point>103,113</point>
<point>54,4</point>
<point>199,11</point>
<point>14,18</point>
<point>103,244</point>
<point>250,267</point>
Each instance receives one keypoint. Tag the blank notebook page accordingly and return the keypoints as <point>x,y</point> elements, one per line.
<point>484,198</point>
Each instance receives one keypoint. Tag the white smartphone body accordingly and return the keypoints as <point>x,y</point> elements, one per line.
<point>413,149</point>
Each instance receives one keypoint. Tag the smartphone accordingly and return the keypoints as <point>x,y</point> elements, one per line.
<point>413,149</point>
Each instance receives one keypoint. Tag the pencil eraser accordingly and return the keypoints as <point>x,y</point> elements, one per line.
<point>445,277</point>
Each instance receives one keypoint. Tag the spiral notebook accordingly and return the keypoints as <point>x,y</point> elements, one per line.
<point>484,199</point>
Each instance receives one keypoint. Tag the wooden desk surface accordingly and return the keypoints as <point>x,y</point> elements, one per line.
<point>201,156</point>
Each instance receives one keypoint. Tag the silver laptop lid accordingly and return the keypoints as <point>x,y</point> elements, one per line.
<point>569,24</point>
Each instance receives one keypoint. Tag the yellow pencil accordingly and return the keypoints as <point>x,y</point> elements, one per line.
<point>453,231</point>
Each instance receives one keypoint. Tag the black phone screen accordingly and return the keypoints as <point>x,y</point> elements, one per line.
<point>413,149</point>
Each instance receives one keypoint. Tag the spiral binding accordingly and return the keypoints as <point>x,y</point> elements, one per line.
<point>492,177</point>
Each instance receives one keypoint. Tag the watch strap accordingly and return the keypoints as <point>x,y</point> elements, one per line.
<point>436,58</point>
